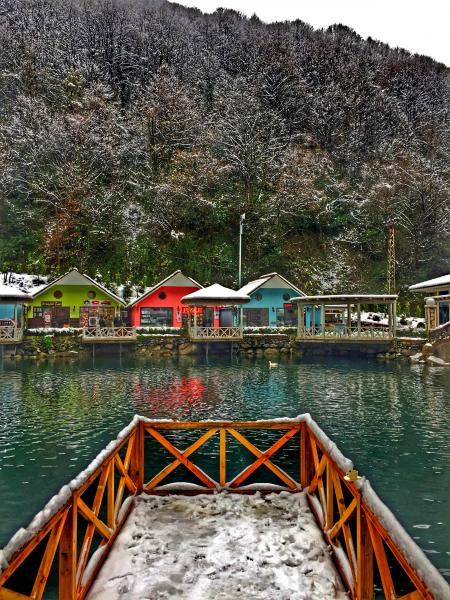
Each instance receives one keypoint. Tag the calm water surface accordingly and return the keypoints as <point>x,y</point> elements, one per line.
<point>391,419</point>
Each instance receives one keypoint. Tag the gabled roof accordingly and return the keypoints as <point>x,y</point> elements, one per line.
<point>431,283</point>
<point>165,282</point>
<point>252,286</point>
<point>11,293</point>
<point>215,295</point>
<point>74,277</point>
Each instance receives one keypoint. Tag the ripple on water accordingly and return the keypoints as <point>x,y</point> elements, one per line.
<point>391,419</point>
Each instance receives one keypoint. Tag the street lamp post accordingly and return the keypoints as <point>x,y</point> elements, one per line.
<point>241,227</point>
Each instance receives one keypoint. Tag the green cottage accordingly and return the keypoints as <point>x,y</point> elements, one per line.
<point>75,300</point>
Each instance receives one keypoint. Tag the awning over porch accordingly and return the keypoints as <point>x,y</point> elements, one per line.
<point>215,295</point>
<point>345,299</point>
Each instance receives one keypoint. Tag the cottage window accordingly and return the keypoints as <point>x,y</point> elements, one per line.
<point>156,317</point>
<point>162,295</point>
<point>57,294</point>
<point>91,294</point>
<point>286,297</point>
<point>256,317</point>
<point>258,296</point>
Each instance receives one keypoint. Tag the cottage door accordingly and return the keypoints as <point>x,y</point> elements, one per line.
<point>60,316</point>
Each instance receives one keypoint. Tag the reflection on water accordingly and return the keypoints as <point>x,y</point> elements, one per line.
<point>391,419</point>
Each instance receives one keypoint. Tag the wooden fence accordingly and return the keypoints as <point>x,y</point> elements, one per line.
<point>97,334</point>
<point>368,543</point>
<point>10,334</point>
<point>215,333</point>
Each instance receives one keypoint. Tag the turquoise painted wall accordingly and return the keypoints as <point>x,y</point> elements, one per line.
<point>273,298</point>
<point>7,311</point>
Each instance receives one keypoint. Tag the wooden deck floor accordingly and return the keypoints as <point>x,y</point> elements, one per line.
<point>219,546</point>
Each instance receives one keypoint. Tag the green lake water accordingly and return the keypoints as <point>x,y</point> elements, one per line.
<point>391,419</point>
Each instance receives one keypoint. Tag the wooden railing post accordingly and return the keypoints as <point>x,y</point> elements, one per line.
<point>306,459</point>
<point>329,517</point>
<point>68,555</point>
<point>137,458</point>
<point>364,552</point>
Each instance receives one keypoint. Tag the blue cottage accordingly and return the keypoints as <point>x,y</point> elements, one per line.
<point>270,304</point>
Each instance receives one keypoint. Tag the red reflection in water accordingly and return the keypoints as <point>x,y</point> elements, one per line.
<point>178,397</point>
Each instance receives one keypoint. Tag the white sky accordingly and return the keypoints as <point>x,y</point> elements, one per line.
<point>421,26</point>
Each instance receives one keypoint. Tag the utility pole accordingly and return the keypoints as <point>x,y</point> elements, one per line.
<point>391,259</point>
<point>241,227</point>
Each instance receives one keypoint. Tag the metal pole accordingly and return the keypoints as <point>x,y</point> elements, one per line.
<point>241,227</point>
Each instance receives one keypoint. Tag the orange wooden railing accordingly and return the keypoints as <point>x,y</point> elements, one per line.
<point>369,545</point>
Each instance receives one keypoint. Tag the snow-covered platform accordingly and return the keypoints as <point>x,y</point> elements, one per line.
<point>219,546</point>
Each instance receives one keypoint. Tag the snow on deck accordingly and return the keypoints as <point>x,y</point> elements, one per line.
<point>219,546</point>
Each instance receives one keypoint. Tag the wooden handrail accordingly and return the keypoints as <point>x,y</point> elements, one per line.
<point>357,526</point>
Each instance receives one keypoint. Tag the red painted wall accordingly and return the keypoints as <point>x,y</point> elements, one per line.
<point>172,300</point>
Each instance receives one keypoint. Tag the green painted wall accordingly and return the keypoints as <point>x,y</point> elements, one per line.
<point>73,296</point>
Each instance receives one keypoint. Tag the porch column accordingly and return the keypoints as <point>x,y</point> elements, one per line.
<point>195,321</point>
<point>358,308</point>
<point>389,311</point>
<point>349,320</point>
<point>313,319</point>
<point>301,320</point>
<point>16,322</point>
<point>241,320</point>
<point>322,319</point>
<point>394,319</point>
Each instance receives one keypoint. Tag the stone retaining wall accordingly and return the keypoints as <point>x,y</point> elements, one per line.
<point>70,345</point>
<point>253,345</point>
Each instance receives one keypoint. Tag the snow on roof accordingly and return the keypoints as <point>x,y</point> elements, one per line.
<point>74,277</point>
<point>8,292</point>
<point>431,283</point>
<point>215,294</point>
<point>252,286</point>
<point>176,275</point>
<point>345,298</point>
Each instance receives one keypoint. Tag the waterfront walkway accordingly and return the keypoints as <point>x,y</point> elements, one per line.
<point>219,546</point>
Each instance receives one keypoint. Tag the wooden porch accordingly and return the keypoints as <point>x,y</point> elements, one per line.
<point>10,334</point>
<point>349,329</point>
<point>77,529</point>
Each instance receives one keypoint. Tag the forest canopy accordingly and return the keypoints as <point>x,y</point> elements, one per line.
<point>134,133</point>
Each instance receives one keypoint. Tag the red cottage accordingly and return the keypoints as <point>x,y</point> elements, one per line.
<point>161,305</point>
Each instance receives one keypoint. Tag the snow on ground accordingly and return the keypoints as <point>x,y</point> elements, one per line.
<point>220,546</point>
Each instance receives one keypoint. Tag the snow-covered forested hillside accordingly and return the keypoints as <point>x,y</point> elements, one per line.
<point>133,134</point>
